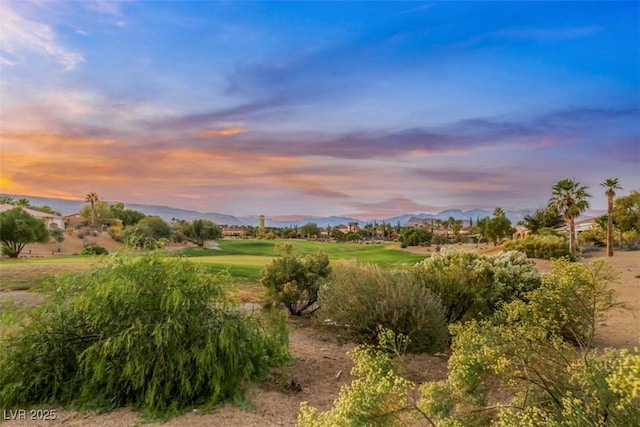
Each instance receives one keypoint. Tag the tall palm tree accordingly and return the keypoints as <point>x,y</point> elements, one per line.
<point>569,198</point>
<point>611,184</point>
<point>93,199</point>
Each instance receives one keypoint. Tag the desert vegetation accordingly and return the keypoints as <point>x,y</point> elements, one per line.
<point>162,331</point>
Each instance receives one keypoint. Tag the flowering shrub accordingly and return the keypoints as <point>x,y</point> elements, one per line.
<point>471,285</point>
<point>514,369</point>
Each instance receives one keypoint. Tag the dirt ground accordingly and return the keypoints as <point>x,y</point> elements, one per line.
<point>321,366</point>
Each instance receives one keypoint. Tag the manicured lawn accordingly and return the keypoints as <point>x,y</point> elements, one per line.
<point>243,259</point>
<point>373,253</point>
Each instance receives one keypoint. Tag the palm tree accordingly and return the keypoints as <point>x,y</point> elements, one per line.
<point>569,198</point>
<point>611,184</point>
<point>93,199</point>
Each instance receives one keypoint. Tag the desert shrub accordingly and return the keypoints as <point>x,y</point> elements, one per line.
<point>378,395</point>
<point>360,298</point>
<point>542,247</point>
<point>518,358</point>
<point>471,285</point>
<point>292,281</point>
<point>94,250</point>
<point>573,298</point>
<point>631,240</point>
<point>116,233</point>
<point>157,334</point>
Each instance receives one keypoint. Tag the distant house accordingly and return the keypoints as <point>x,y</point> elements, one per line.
<point>346,229</point>
<point>50,220</point>
<point>73,220</point>
<point>520,233</point>
<point>580,226</point>
<point>234,231</point>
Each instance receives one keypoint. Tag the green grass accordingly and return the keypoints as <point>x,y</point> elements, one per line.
<point>374,253</point>
<point>243,259</point>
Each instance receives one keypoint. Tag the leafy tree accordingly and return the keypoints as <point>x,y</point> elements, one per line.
<point>23,203</point>
<point>155,227</point>
<point>569,198</point>
<point>58,236</point>
<point>127,216</point>
<point>497,227</point>
<point>416,236</point>
<point>627,212</point>
<point>202,230</point>
<point>611,184</point>
<point>542,218</point>
<point>100,214</point>
<point>293,281</point>
<point>92,198</point>
<point>310,229</point>
<point>6,200</point>
<point>337,234</point>
<point>18,228</point>
<point>159,334</point>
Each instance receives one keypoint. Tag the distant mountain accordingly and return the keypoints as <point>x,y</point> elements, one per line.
<point>67,207</point>
<point>471,214</point>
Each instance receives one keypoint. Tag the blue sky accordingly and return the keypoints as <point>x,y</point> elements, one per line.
<point>363,108</point>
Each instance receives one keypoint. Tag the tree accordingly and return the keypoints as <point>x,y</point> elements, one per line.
<point>569,198</point>
<point>155,227</point>
<point>98,214</point>
<point>293,281</point>
<point>626,210</point>
<point>24,203</point>
<point>310,229</point>
<point>202,230</point>
<point>18,228</point>
<point>498,227</point>
<point>127,216</point>
<point>542,218</point>
<point>58,236</point>
<point>6,200</point>
<point>611,184</point>
<point>92,198</point>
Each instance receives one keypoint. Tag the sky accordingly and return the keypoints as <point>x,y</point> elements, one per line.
<point>367,109</point>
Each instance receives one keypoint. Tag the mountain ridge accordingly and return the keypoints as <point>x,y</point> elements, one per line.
<point>68,207</point>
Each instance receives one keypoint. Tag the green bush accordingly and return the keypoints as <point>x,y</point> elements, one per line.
<point>157,334</point>
<point>542,247</point>
<point>293,281</point>
<point>472,286</point>
<point>360,298</point>
<point>94,250</point>
<point>514,369</point>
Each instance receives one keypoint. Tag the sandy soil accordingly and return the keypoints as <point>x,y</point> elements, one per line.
<point>321,366</point>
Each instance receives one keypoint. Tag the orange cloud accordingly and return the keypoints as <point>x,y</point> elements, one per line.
<point>224,132</point>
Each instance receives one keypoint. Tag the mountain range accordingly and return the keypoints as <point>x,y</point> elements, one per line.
<point>67,207</point>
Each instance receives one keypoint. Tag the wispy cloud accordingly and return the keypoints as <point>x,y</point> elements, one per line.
<point>19,35</point>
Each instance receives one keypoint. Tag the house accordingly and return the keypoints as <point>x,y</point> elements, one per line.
<point>234,231</point>
<point>580,226</point>
<point>520,233</point>
<point>50,220</point>
<point>73,220</point>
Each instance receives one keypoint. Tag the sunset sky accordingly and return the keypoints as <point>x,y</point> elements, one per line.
<point>368,109</point>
